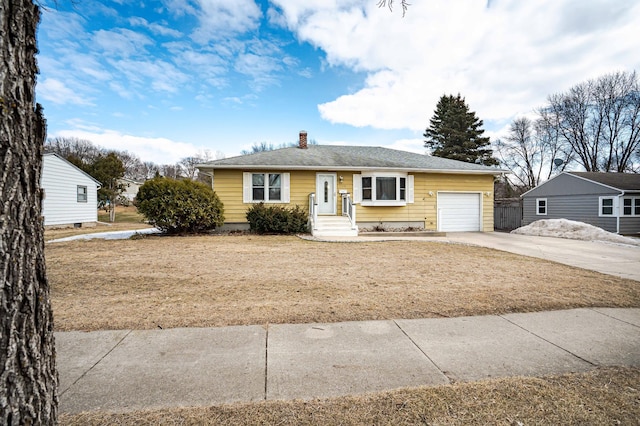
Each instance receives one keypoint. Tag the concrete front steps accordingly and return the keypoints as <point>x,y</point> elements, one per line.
<point>334,226</point>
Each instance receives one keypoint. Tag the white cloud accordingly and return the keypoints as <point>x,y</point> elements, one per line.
<point>121,42</point>
<point>504,59</point>
<point>223,18</point>
<point>57,92</point>
<point>155,27</point>
<point>411,145</point>
<point>158,150</point>
<point>63,25</point>
<point>161,75</point>
<point>260,68</point>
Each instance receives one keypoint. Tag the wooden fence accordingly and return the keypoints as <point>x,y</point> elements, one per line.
<point>507,214</point>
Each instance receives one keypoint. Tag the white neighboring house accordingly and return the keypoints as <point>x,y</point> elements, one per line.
<point>70,195</point>
<point>131,188</point>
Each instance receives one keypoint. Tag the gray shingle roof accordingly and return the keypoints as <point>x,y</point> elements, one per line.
<point>334,157</point>
<point>622,181</point>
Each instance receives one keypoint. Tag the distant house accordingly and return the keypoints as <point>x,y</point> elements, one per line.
<point>347,188</point>
<point>70,195</point>
<point>131,188</point>
<point>610,201</point>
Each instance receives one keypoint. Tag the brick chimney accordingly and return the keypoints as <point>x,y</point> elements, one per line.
<point>303,140</point>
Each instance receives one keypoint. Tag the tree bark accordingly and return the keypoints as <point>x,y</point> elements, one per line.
<point>28,377</point>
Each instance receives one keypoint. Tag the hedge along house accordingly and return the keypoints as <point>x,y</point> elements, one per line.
<point>70,194</point>
<point>350,187</point>
<point>610,201</point>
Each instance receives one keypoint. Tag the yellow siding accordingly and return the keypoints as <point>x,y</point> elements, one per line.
<point>455,183</point>
<point>228,185</point>
<point>424,208</point>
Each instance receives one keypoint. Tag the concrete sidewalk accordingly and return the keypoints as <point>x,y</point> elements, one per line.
<point>130,370</point>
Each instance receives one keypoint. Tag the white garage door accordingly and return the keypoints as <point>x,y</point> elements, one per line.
<point>458,212</point>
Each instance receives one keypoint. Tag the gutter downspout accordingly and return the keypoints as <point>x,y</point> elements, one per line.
<point>618,213</point>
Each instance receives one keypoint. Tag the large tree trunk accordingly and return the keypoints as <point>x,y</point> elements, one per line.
<point>28,377</point>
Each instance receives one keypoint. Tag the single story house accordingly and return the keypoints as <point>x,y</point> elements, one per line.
<point>131,188</point>
<point>70,195</point>
<point>610,201</point>
<point>347,188</point>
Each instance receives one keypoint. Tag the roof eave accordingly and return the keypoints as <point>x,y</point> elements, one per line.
<point>349,168</point>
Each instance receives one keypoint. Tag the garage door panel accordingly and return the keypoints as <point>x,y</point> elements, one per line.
<point>458,212</point>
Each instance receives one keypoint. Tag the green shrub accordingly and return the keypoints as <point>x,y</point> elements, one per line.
<point>277,219</point>
<point>177,206</point>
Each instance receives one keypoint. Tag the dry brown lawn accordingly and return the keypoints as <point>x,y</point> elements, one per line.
<point>607,396</point>
<point>202,281</point>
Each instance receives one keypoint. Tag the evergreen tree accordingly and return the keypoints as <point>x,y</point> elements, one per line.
<point>455,132</point>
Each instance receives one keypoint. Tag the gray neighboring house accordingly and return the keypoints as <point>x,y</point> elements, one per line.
<point>610,201</point>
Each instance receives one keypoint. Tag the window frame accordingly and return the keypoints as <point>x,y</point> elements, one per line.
<point>601,206</point>
<point>267,188</point>
<point>546,206</point>
<point>634,206</point>
<point>368,188</point>
<point>82,197</point>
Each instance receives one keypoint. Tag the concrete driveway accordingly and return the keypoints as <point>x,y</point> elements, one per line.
<point>613,259</point>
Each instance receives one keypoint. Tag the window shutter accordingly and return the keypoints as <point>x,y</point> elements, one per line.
<point>357,188</point>
<point>246,187</point>
<point>286,188</point>
<point>410,189</point>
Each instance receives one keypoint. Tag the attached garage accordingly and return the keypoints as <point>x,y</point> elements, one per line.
<point>459,211</point>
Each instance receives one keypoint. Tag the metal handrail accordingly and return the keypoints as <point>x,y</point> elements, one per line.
<point>349,210</point>
<point>313,211</point>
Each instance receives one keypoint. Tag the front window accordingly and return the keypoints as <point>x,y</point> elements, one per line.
<point>81,194</point>
<point>631,206</point>
<point>274,187</point>
<point>384,189</point>
<point>606,206</point>
<point>366,188</point>
<point>266,184</point>
<point>257,180</point>
<point>541,206</point>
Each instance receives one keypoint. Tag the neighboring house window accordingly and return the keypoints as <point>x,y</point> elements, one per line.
<point>82,194</point>
<point>266,187</point>
<point>388,189</point>
<point>606,206</point>
<point>541,206</point>
<point>631,206</point>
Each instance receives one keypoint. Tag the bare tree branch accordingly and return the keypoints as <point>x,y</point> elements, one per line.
<point>600,120</point>
<point>389,4</point>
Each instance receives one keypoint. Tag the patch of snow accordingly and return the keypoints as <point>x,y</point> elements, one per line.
<point>112,235</point>
<point>573,230</point>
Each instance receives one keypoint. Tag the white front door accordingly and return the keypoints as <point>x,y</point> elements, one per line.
<point>326,193</point>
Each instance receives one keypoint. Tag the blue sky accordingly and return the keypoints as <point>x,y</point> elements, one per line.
<point>168,79</point>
